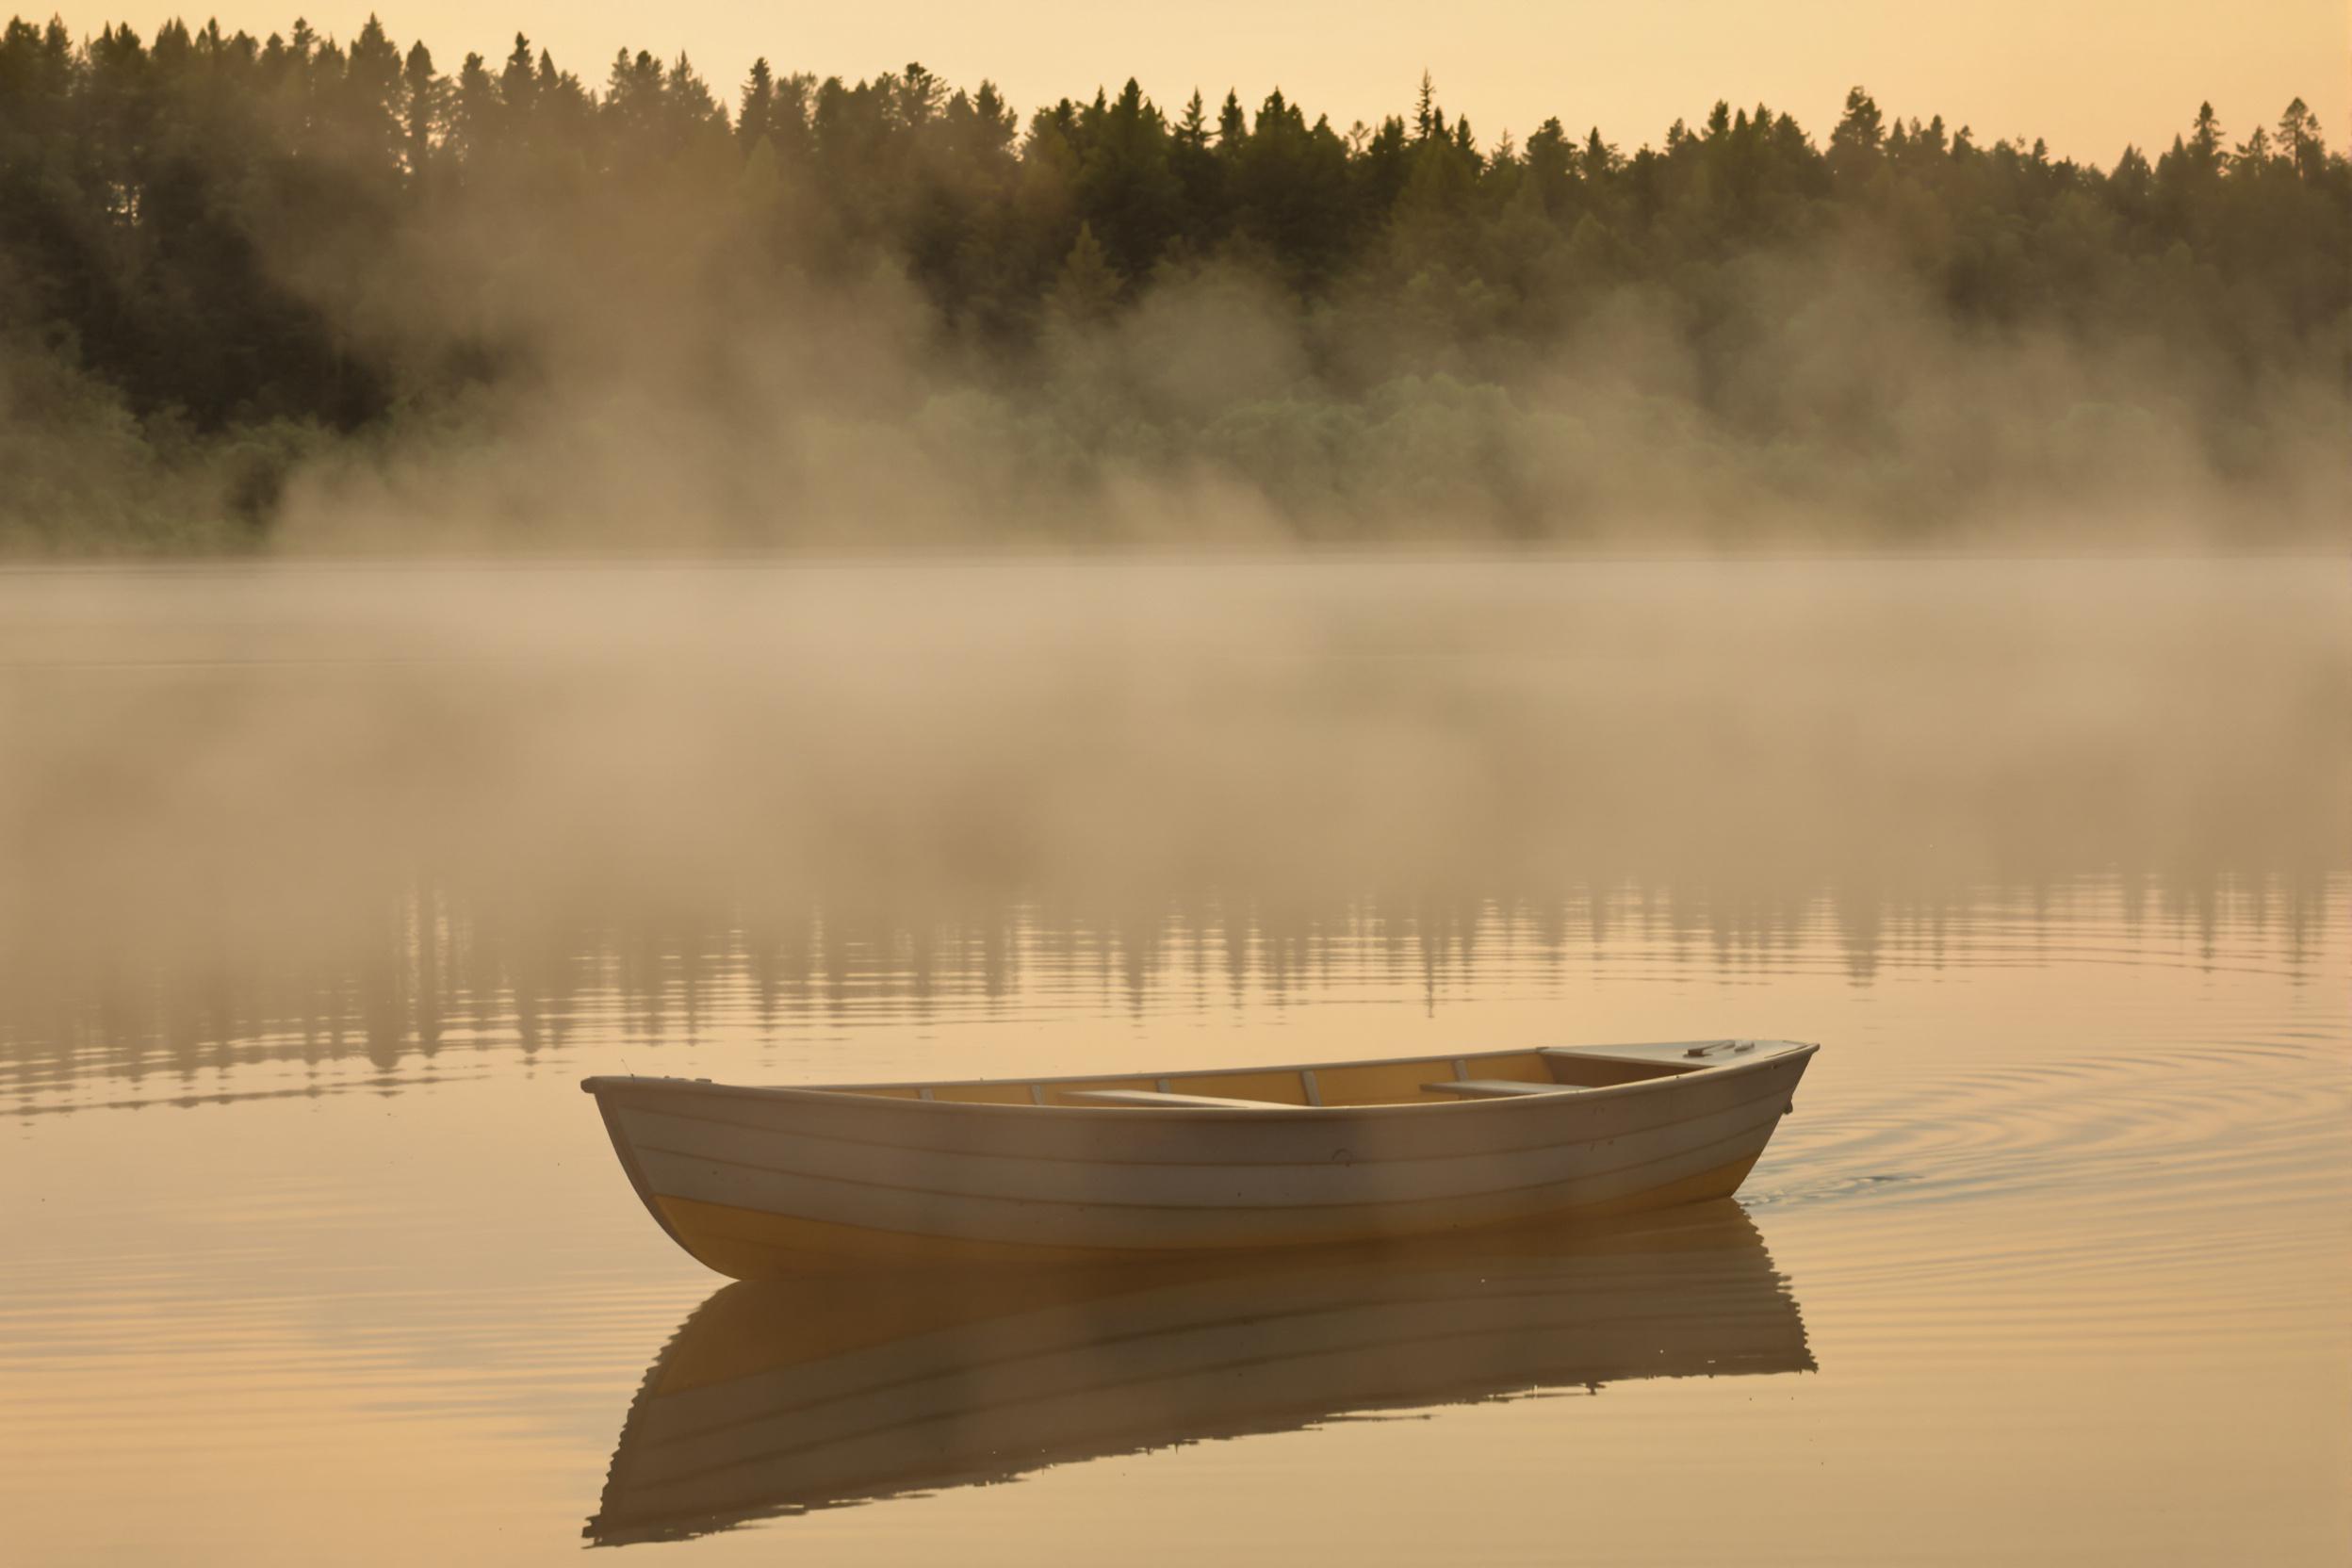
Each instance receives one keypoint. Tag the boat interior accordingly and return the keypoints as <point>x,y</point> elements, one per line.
<point>1426,1080</point>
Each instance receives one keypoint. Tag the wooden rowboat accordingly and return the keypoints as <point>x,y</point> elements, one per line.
<point>762,1183</point>
<point>848,1387</point>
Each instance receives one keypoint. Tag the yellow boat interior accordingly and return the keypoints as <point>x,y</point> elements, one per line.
<point>1421,1079</point>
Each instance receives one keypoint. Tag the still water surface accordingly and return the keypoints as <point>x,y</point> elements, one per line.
<point>321,887</point>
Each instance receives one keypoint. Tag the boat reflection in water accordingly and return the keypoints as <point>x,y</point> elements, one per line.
<point>781,1396</point>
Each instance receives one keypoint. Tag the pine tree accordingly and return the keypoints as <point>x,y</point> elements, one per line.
<point>1231,128</point>
<point>2205,144</point>
<point>2299,141</point>
<point>421,94</point>
<point>1856,143</point>
<point>1192,131</point>
<point>1600,158</point>
<point>757,109</point>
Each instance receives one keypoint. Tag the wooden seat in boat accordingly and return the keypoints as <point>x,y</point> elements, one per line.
<point>1155,1097</point>
<point>1495,1088</point>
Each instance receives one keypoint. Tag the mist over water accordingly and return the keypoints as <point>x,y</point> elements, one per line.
<point>358,805</point>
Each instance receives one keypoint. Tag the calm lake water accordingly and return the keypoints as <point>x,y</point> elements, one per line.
<point>320,888</point>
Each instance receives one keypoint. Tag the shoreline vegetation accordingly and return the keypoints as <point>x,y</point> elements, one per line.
<point>296,293</point>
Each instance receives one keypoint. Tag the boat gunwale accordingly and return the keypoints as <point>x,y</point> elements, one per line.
<point>861,1095</point>
<point>1485,1148</point>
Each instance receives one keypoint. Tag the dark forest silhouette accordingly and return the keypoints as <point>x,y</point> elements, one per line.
<point>221,256</point>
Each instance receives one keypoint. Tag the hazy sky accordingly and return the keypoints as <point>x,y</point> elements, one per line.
<point>2087,74</point>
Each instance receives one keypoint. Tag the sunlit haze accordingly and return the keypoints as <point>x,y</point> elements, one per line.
<point>1402,783</point>
<point>2089,77</point>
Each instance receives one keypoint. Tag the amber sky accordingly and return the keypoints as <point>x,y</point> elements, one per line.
<point>2089,75</point>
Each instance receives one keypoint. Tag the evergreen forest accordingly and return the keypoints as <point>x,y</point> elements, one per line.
<point>303,289</point>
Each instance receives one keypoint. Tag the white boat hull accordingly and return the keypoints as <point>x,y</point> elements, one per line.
<point>760,1181</point>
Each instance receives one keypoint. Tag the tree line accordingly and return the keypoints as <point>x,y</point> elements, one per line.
<point>214,243</point>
